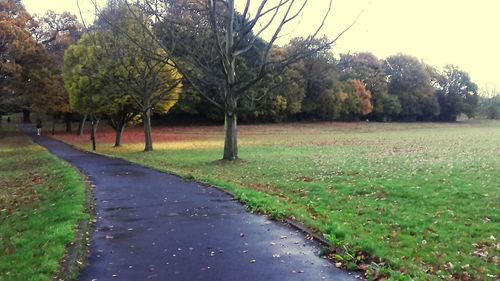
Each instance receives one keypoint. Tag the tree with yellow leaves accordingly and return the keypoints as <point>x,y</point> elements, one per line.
<point>108,75</point>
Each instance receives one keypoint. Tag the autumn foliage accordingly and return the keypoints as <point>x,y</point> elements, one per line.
<point>31,51</point>
<point>364,96</point>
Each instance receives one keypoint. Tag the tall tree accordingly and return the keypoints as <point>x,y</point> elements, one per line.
<point>410,82</point>
<point>229,36</point>
<point>321,83</point>
<point>147,77</point>
<point>457,94</point>
<point>18,53</point>
<point>56,32</point>
<point>85,80</point>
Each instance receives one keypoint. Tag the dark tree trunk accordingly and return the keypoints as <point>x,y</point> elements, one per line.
<point>230,131</point>
<point>26,116</point>
<point>54,119</point>
<point>118,134</point>
<point>148,142</point>
<point>1,120</point>
<point>81,125</point>
<point>93,134</point>
<point>231,104</point>
<point>67,120</point>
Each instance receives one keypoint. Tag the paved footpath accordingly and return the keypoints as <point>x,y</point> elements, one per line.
<point>156,226</point>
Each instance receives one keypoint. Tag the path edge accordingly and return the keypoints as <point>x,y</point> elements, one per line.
<point>314,236</point>
<point>75,253</point>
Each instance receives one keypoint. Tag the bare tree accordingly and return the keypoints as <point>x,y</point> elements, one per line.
<point>206,40</point>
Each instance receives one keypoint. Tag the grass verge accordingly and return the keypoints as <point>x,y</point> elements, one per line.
<point>41,207</point>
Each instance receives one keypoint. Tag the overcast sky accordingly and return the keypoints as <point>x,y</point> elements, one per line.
<point>460,32</point>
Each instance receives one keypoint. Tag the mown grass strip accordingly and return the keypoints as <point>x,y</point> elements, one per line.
<point>41,204</point>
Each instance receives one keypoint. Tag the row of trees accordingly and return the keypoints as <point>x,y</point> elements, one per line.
<point>206,59</point>
<point>159,46</point>
<point>118,71</point>
<point>355,87</point>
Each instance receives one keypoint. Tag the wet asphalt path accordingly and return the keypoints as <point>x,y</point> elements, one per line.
<point>156,226</point>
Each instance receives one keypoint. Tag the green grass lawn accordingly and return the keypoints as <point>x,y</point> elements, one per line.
<point>421,200</point>
<point>41,202</point>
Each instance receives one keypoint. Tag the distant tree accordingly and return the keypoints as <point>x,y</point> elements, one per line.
<point>457,94</point>
<point>56,32</point>
<point>20,58</point>
<point>410,82</point>
<point>349,101</point>
<point>489,103</point>
<point>85,79</point>
<point>490,107</point>
<point>367,68</point>
<point>364,97</point>
<point>278,96</point>
<point>321,77</point>
<point>386,107</point>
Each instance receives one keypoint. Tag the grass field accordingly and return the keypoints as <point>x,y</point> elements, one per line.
<point>41,202</point>
<point>405,200</point>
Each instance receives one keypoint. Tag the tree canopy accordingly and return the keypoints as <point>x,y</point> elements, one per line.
<point>209,60</point>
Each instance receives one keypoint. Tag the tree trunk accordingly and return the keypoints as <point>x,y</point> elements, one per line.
<point>148,142</point>
<point>118,134</point>
<point>93,134</point>
<point>26,116</point>
<point>67,120</point>
<point>1,120</point>
<point>231,139</point>
<point>54,124</point>
<point>81,125</point>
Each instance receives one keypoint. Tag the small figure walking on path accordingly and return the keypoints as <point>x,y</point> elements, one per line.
<point>38,127</point>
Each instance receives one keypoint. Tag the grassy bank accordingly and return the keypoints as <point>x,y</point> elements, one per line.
<point>420,200</point>
<point>41,202</point>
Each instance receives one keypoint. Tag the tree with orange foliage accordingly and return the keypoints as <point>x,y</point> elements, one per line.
<point>31,53</point>
<point>56,32</point>
<point>16,49</point>
<point>364,97</point>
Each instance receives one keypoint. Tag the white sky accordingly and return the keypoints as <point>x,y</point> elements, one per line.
<point>460,32</point>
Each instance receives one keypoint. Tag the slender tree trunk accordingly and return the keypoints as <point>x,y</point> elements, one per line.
<point>54,124</point>
<point>26,116</point>
<point>230,131</point>
<point>81,125</point>
<point>118,134</point>
<point>1,120</point>
<point>93,133</point>
<point>67,120</point>
<point>148,142</point>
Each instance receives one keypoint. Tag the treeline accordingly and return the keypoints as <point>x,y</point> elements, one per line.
<point>354,87</point>
<point>207,60</point>
<point>489,106</point>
